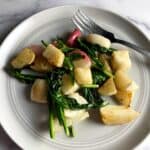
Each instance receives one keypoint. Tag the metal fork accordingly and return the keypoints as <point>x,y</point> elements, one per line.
<point>84,23</point>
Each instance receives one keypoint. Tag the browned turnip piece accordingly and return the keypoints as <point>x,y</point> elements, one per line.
<point>54,55</point>
<point>115,115</point>
<point>24,58</point>
<point>125,96</point>
<point>39,91</point>
<point>83,75</point>
<point>108,88</point>
<point>41,64</point>
<point>122,80</point>
<point>120,60</point>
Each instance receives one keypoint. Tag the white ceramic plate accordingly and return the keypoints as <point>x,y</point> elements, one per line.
<point>26,122</point>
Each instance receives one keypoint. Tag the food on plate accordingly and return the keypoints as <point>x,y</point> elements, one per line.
<point>41,64</point>
<point>98,39</point>
<point>39,91</point>
<point>54,55</point>
<point>58,127</point>
<point>115,115</point>
<point>74,75</point>
<point>105,60</point>
<point>84,61</point>
<point>73,37</point>
<point>108,88</point>
<point>120,60</point>
<point>122,80</point>
<point>24,58</point>
<point>77,114</point>
<point>83,75</point>
<point>37,49</point>
<point>125,96</point>
<point>125,87</point>
<point>68,87</point>
<point>132,87</point>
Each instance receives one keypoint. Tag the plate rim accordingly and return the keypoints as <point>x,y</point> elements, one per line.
<point>62,7</point>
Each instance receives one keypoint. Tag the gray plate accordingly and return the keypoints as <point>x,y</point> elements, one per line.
<point>26,122</point>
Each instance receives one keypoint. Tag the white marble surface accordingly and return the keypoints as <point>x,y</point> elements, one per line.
<point>13,12</point>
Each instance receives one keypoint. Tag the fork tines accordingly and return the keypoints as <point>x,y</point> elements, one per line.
<point>82,21</point>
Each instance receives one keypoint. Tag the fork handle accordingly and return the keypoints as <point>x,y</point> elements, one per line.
<point>134,47</point>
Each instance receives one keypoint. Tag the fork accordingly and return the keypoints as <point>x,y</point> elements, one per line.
<point>84,23</point>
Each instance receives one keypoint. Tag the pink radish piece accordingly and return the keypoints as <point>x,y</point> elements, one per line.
<point>37,49</point>
<point>84,62</point>
<point>73,36</point>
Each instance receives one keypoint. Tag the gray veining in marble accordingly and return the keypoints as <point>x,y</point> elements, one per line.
<point>13,12</point>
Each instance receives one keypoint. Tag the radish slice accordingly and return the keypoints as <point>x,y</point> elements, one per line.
<point>73,36</point>
<point>84,62</point>
<point>37,49</point>
<point>82,53</point>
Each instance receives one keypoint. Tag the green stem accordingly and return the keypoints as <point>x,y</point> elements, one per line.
<point>59,114</point>
<point>90,85</point>
<point>109,74</point>
<point>68,63</point>
<point>64,121</point>
<point>71,130</point>
<point>105,103</point>
<point>51,124</point>
<point>44,43</point>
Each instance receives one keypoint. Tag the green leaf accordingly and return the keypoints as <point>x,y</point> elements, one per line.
<point>71,130</point>
<point>54,83</point>
<point>25,78</point>
<point>99,77</point>
<point>70,103</point>
<point>45,44</point>
<point>54,80</point>
<point>75,56</point>
<point>95,47</point>
<point>68,63</point>
<point>61,45</point>
<point>92,53</point>
<point>91,95</point>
